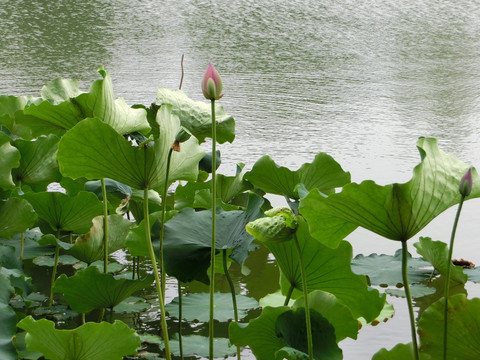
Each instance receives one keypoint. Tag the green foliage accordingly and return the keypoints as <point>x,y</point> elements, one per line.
<point>89,247</point>
<point>395,211</point>
<point>89,289</point>
<point>436,253</point>
<point>324,174</point>
<point>139,167</point>
<point>64,213</point>
<point>196,307</point>
<point>93,341</point>
<point>463,325</point>
<point>195,116</point>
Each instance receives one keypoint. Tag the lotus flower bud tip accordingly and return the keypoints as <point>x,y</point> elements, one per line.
<point>466,183</point>
<point>212,83</point>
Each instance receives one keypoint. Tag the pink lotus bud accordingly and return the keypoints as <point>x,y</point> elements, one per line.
<point>466,183</point>
<point>212,83</point>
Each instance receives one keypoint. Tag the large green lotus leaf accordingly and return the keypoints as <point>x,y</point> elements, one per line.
<point>196,115</point>
<point>199,345</point>
<point>66,213</point>
<point>59,90</point>
<point>92,341</point>
<point>89,247</point>
<point>290,326</point>
<point>16,216</point>
<point>38,164</point>
<point>117,193</point>
<point>8,320</point>
<point>337,314</point>
<point>64,106</point>
<point>279,330</point>
<point>327,270</point>
<point>47,118</point>
<point>395,211</point>
<point>399,352</point>
<point>89,289</point>
<point>186,247</point>
<point>9,106</point>
<point>100,103</point>
<point>436,253</point>
<point>259,334</point>
<point>463,324</point>
<point>106,154</point>
<point>9,159</point>
<point>198,194</point>
<point>196,307</point>
<point>391,265</point>
<point>324,174</point>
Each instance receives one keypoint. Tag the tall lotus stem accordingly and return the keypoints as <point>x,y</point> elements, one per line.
<point>105,227</point>
<point>22,242</point>
<point>162,220</point>
<point>409,297</point>
<point>54,270</point>
<point>180,317</point>
<point>155,273</point>
<point>465,189</point>
<point>212,252</point>
<point>212,89</point>
<point>305,296</point>
<point>232,290</point>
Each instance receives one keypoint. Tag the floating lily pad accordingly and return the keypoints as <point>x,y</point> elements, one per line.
<point>132,304</point>
<point>199,345</point>
<point>391,265</point>
<point>195,307</point>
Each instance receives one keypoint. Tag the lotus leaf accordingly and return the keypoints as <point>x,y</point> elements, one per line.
<point>196,306</point>
<point>195,115</point>
<point>92,341</point>
<point>66,213</point>
<point>89,289</point>
<point>106,154</point>
<point>395,211</point>
<point>463,325</point>
<point>324,174</point>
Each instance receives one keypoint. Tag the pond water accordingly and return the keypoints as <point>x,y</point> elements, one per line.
<point>358,80</point>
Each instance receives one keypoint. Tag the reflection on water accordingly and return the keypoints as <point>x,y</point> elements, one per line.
<point>359,80</point>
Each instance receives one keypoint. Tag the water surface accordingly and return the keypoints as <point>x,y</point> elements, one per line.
<point>360,81</point>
